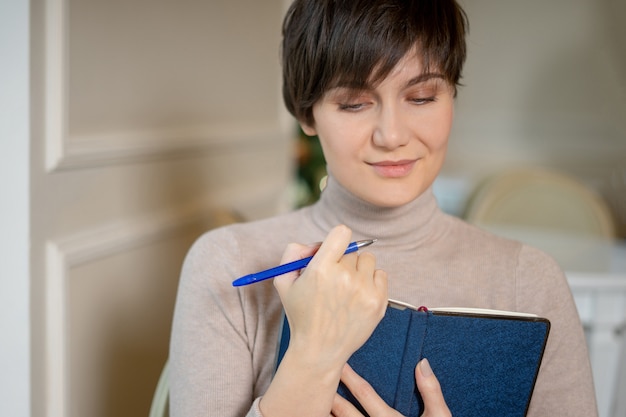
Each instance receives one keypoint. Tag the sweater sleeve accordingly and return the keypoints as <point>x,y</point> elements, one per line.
<point>211,362</point>
<point>564,386</point>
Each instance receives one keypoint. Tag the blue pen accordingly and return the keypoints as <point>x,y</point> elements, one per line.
<point>292,266</point>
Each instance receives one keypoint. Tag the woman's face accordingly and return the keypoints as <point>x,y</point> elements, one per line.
<point>387,144</point>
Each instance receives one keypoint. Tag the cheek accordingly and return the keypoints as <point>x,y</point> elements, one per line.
<point>439,129</point>
<point>340,141</point>
<point>336,150</point>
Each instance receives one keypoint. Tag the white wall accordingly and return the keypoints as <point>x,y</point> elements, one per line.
<point>14,203</point>
<point>545,84</point>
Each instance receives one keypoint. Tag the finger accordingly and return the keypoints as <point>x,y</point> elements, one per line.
<point>378,278</point>
<point>366,263</point>
<point>334,246</point>
<point>430,390</point>
<point>344,408</point>
<point>381,282</point>
<point>363,392</point>
<point>293,252</point>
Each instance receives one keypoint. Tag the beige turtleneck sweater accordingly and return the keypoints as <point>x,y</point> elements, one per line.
<point>224,339</point>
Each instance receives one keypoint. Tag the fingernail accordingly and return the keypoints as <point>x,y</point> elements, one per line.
<point>425,368</point>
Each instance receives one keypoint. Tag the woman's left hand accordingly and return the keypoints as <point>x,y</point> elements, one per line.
<point>427,384</point>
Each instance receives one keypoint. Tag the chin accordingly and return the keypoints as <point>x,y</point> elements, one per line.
<point>391,199</point>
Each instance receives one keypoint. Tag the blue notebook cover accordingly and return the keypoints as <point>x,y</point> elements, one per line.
<point>486,362</point>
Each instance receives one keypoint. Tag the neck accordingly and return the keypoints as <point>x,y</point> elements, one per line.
<point>404,225</point>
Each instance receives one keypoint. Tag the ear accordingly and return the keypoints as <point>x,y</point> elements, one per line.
<point>308,129</point>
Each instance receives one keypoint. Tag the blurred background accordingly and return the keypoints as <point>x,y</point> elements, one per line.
<point>130,127</point>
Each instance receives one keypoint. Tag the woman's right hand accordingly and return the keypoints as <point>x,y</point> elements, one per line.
<point>333,306</point>
<point>337,301</point>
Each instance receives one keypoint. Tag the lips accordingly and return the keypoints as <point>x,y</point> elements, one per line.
<point>393,169</point>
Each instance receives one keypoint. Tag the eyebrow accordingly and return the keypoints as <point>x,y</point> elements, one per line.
<point>413,81</point>
<point>424,77</point>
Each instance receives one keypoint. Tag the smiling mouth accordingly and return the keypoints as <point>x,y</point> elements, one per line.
<point>393,169</point>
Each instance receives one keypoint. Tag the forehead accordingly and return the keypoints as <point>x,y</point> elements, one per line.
<point>410,65</point>
<point>409,70</point>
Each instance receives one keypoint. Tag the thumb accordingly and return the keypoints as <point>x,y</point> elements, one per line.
<point>430,390</point>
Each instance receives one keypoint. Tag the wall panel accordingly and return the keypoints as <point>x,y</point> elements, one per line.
<point>152,121</point>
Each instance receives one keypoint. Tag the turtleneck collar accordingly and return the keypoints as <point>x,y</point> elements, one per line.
<point>407,226</point>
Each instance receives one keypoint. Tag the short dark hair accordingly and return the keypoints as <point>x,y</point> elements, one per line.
<point>327,43</point>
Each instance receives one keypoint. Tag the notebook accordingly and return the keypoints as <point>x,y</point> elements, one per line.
<point>486,361</point>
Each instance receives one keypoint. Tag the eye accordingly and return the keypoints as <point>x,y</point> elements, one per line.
<point>349,99</point>
<point>426,92</point>
<point>423,100</point>
<point>351,106</point>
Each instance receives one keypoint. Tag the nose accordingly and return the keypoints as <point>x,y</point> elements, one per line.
<point>390,131</point>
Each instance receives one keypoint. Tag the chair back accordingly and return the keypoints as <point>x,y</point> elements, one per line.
<point>160,400</point>
<point>541,199</point>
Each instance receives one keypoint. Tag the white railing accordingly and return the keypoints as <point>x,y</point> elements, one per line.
<point>601,302</point>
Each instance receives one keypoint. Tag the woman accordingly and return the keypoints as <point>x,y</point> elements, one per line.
<point>375,80</point>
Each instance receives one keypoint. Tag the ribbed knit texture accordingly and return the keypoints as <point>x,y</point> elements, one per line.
<point>224,338</point>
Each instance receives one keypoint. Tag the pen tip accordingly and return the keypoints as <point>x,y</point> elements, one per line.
<point>364,243</point>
